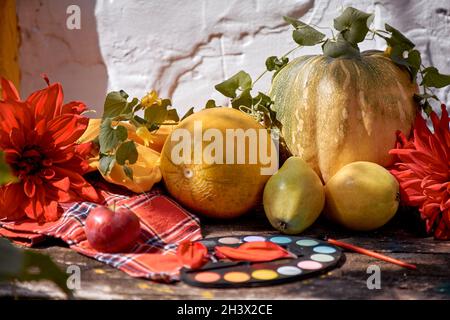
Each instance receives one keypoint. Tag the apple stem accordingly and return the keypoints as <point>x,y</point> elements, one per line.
<point>114,206</point>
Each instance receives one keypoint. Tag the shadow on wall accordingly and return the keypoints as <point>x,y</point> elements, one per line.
<point>71,57</point>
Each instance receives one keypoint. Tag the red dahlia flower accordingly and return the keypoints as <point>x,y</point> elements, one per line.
<point>38,137</point>
<point>422,169</point>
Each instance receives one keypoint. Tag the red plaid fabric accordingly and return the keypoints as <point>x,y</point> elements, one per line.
<point>164,224</point>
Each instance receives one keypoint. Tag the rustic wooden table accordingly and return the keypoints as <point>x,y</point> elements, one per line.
<point>431,280</point>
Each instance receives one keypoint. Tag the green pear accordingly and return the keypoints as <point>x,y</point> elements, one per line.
<point>293,197</point>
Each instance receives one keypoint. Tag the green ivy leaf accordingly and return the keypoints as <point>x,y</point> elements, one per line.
<point>271,63</point>
<point>427,108</point>
<point>11,259</point>
<point>155,114</point>
<point>397,54</point>
<point>210,104</point>
<point>121,133</point>
<point>244,99</point>
<point>166,103</point>
<point>414,61</point>
<point>424,96</point>
<point>17,264</point>
<point>276,64</point>
<point>110,137</point>
<point>132,104</point>
<point>340,48</point>
<point>47,270</point>
<point>411,60</point>
<point>433,79</point>
<point>353,24</point>
<point>6,175</point>
<point>263,103</point>
<point>106,163</point>
<point>240,80</point>
<point>397,39</point>
<point>172,114</point>
<point>128,171</point>
<point>294,22</point>
<point>262,100</point>
<point>127,152</point>
<point>401,51</point>
<point>116,104</point>
<point>188,113</point>
<point>307,36</point>
<point>304,35</point>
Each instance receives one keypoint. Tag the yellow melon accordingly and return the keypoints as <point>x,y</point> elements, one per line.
<point>214,189</point>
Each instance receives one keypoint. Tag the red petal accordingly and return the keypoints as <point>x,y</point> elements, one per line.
<point>48,174</point>
<point>15,115</point>
<point>41,127</point>
<point>66,129</point>
<point>88,192</point>
<point>11,197</point>
<point>63,155</point>
<point>79,185</point>
<point>17,138</point>
<point>29,188</point>
<point>63,184</point>
<point>52,211</point>
<point>258,251</point>
<point>60,195</point>
<point>34,207</point>
<point>85,149</point>
<point>47,103</point>
<point>74,107</point>
<point>192,255</point>
<point>444,124</point>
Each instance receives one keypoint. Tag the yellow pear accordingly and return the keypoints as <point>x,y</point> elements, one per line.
<point>362,196</point>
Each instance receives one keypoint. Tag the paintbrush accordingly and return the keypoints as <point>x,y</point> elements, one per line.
<point>370,253</point>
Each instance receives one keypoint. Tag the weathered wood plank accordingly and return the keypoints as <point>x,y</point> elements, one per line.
<point>348,282</point>
<point>430,281</point>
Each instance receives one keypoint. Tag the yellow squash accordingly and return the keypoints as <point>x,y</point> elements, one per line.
<point>146,170</point>
<point>335,111</point>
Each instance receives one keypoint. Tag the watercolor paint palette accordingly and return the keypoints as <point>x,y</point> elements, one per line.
<point>313,257</point>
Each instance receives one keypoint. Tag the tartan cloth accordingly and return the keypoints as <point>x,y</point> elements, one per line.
<point>164,224</point>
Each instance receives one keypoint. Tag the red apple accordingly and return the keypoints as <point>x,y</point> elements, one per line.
<point>112,231</point>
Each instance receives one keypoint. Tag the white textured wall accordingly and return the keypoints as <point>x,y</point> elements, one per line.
<point>183,48</point>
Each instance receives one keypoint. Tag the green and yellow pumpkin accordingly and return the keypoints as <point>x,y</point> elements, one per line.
<point>335,111</point>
